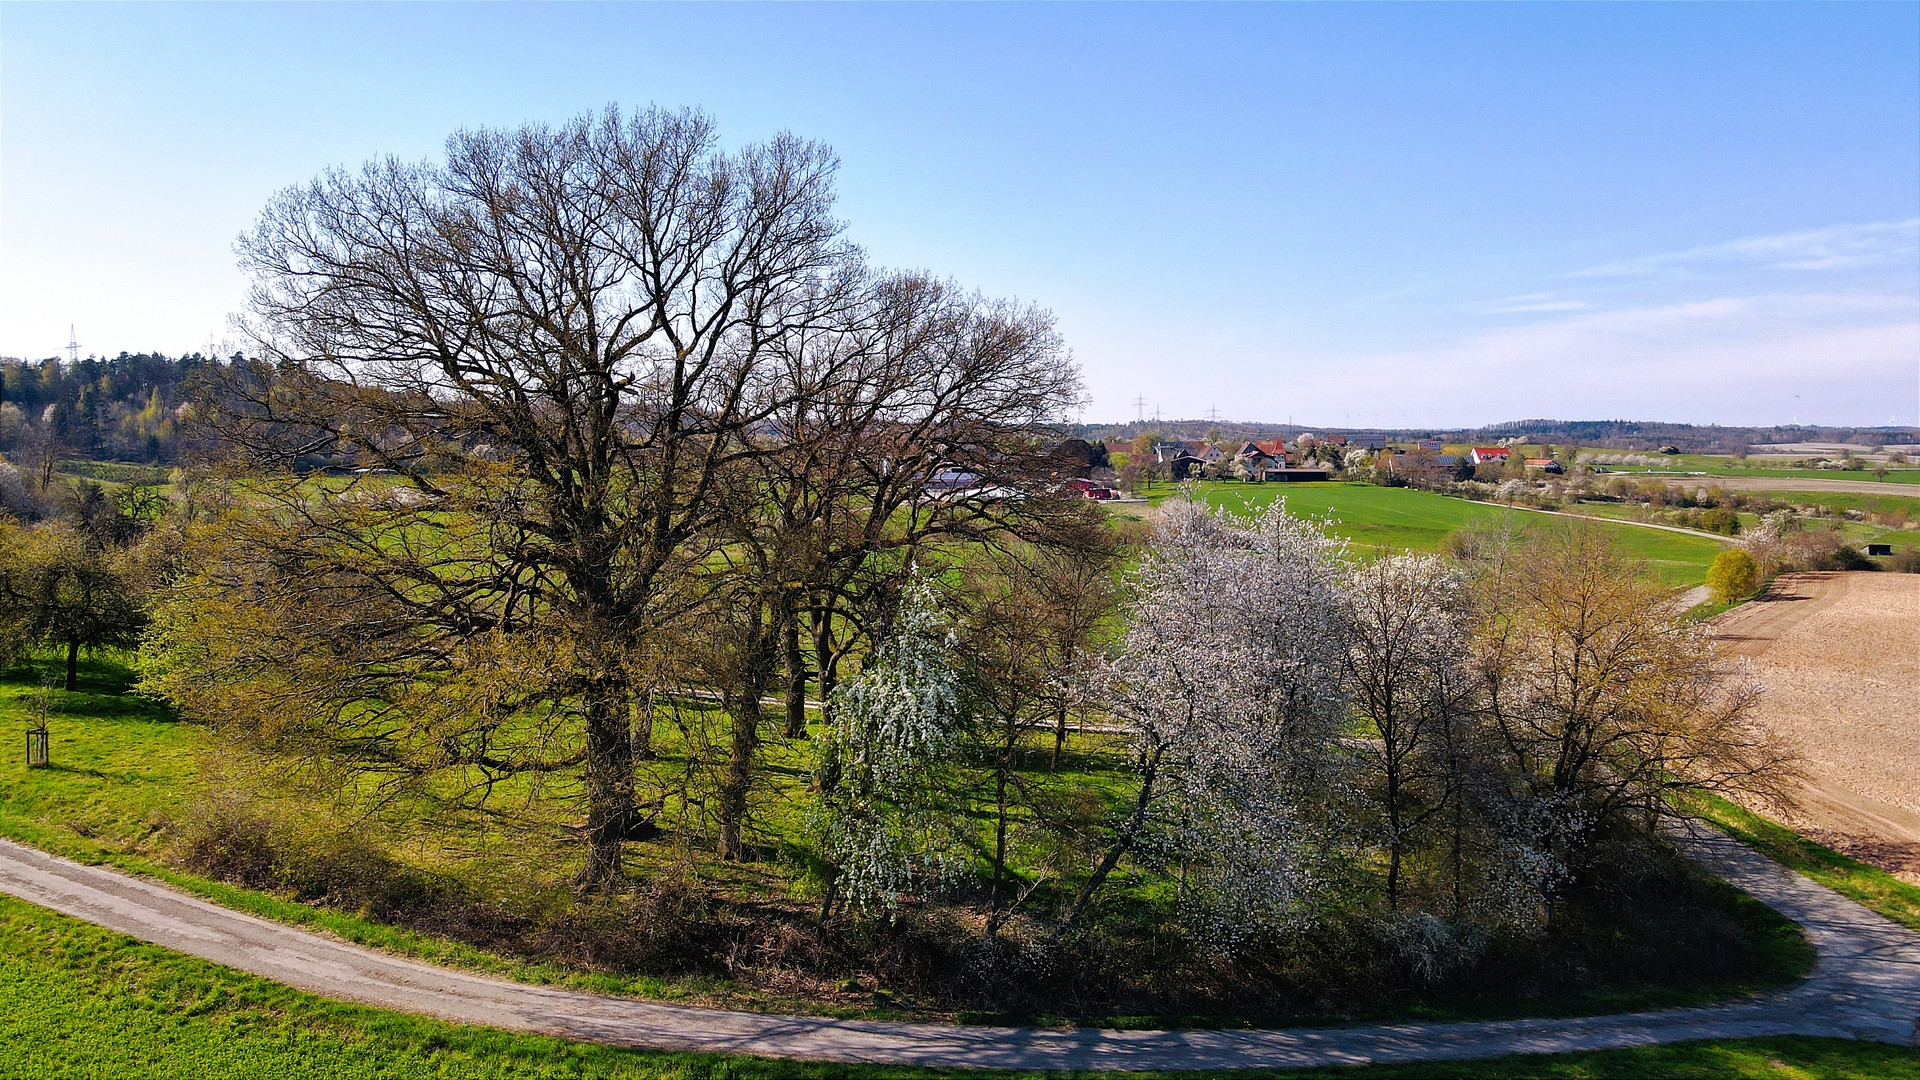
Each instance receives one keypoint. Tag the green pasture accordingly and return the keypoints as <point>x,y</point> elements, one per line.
<point>1371,517</point>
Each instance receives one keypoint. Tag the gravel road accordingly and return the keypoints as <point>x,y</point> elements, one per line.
<point>1866,985</point>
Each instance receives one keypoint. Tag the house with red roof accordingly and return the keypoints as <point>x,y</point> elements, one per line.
<point>1481,455</point>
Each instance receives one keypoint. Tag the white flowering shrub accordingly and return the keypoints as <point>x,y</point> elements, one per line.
<point>13,491</point>
<point>882,813</point>
<point>1230,675</point>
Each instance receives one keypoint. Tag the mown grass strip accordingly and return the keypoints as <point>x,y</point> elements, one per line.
<point>1869,886</point>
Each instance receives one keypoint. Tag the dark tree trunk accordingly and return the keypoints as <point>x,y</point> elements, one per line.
<point>609,783</point>
<point>796,677</point>
<point>996,911</point>
<point>73,664</point>
<point>1122,843</point>
<point>738,778</point>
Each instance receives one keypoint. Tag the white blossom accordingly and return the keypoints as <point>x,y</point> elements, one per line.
<point>881,813</point>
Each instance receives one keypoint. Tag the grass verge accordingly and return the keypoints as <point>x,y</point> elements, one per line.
<point>1869,886</point>
<point>82,1001</point>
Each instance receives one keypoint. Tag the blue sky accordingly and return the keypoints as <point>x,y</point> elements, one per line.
<point>1377,214</point>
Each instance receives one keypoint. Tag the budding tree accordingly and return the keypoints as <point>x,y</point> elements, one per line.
<point>556,341</point>
<point>1605,702</point>
<point>1408,673</point>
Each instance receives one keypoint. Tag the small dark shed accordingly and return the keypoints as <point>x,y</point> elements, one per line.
<point>1879,549</point>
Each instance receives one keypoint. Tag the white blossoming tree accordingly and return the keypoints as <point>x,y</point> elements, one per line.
<point>1230,678</point>
<point>885,815</point>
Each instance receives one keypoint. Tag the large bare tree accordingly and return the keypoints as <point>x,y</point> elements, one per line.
<point>557,342</point>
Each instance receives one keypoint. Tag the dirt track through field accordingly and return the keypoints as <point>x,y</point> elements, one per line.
<point>1839,654</point>
<point>1865,985</point>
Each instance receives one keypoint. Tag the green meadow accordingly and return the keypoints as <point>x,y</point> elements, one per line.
<point>1402,519</point>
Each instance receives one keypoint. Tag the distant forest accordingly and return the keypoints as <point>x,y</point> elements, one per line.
<point>128,408</point>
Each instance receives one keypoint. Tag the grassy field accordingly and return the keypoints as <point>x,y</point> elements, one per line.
<point>81,1001</point>
<point>1372,517</point>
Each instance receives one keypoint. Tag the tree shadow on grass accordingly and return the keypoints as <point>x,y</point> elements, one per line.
<point>105,693</point>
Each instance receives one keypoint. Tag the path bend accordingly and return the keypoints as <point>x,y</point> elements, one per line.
<point>1866,984</point>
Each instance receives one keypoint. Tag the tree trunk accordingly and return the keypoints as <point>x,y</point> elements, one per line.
<point>995,912</point>
<point>796,677</point>
<point>73,664</point>
<point>738,778</point>
<point>609,784</point>
<point>1120,845</point>
<point>640,736</point>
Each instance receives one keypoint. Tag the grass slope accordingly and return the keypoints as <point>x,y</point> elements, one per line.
<point>1869,886</point>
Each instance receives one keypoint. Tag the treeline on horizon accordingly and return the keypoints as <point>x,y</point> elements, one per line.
<point>1647,435</point>
<point>131,408</point>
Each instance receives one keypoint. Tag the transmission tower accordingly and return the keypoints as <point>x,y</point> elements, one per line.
<point>73,346</point>
<point>1139,408</point>
<point>1213,415</point>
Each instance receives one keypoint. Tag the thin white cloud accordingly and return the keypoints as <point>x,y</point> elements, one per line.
<point>1835,247</point>
<point>1537,306</point>
<point>1851,359</point>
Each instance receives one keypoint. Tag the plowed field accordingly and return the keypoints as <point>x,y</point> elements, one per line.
<point>1840,656</point>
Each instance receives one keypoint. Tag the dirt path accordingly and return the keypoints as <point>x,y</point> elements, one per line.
<point>1839,654</point>
<point>1865,985</point>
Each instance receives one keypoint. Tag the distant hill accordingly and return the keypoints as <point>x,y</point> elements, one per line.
<point>1609,434</point>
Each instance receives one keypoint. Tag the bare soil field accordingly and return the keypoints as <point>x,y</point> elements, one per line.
<point>1839,654</point>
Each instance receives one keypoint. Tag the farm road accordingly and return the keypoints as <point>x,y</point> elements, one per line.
<point>1866,985</point>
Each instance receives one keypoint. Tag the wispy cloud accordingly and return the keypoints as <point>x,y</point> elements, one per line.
<point>1835,247</point>
<point>1736,359</point>
<point>1537,302</point>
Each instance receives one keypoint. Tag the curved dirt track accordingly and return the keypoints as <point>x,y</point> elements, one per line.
<point>1839,654</point>
<point>1866,985</point>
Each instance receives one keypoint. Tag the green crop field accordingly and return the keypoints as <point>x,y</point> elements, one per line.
<point>1371,517</point>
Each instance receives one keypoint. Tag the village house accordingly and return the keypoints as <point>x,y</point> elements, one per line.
<point>1482,455</point>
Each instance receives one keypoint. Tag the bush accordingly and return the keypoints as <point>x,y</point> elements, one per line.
<point>1733,576</point>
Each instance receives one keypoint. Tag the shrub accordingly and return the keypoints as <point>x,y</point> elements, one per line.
<point>1733,576</point>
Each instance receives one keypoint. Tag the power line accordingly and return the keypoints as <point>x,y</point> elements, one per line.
<point>1140,408</point>
<point>73,346</point>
